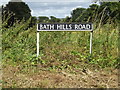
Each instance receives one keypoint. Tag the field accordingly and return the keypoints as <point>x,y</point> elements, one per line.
<point>64,60</point>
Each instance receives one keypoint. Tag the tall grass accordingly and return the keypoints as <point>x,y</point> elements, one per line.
<point>60,49</point>
<point>19,45</point>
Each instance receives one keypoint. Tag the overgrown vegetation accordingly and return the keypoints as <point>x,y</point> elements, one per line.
<point>64,51</point>
<point>60,50</point>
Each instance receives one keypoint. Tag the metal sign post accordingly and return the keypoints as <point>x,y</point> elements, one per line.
<point>37,41</point>
<point>64,27</point>
<point>38,44</point>
<point>91,36</point>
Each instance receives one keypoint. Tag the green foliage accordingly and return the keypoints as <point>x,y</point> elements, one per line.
<point>95,13</point>
<point>19,11</point>
<point>61,50</point>
<point>43,19</point>
<point>67,19</point>
<point>111,10</point>
<point>33,21</point>
<point>54,19</point>
<point>76,13</point>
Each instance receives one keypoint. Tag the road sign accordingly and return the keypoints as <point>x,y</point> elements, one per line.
<point>65,27</point>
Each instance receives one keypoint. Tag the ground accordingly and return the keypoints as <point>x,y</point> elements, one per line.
<point>37,77</point>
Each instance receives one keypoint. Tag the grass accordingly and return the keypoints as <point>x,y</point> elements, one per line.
<point>19,45</point>
<point>59,51</point>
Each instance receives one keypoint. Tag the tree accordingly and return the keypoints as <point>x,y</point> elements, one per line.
<point>18,10</point>
<point>43,19</point>
<point>109,11</point>
<point>87,15</point>
<point>33,21</point>
<point>76,13</point>
<point>67,19</point>
<point>54,19</point>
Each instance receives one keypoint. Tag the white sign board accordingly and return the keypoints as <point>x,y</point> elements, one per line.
<point>64,27</point>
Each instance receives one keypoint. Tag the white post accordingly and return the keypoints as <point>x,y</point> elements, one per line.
<point>91,34</point>
<point>37,44</point>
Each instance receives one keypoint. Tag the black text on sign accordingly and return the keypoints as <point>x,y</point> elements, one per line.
<point>64,27</point>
